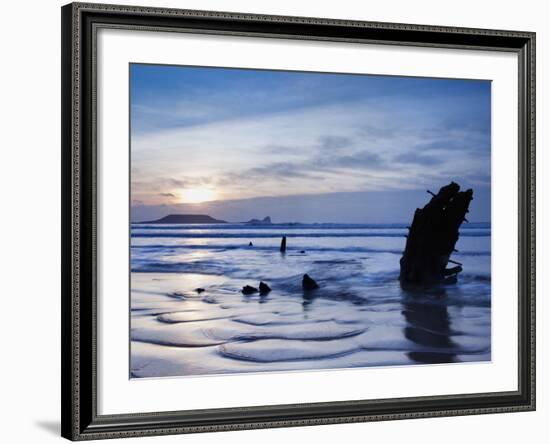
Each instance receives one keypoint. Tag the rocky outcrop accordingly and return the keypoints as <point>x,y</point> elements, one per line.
<point>247,289</point>
<point>264,288</point>
<point>308,283</point>
<point>186,219</point>
<point>265,221</point>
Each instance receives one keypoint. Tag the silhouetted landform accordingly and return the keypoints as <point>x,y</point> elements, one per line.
<point>186,219</point>
<point>264,288</point>
<point>265,221</point>
<point>283,244</point>
<point>199,290</point>
<point>432,238</point>
<point>247,289</point>
<point>308,283</point>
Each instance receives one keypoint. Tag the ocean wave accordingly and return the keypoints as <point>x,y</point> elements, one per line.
<point>197,267</point>
<point>252,234</point>
<point>290,226</point>
<point>244,246</point>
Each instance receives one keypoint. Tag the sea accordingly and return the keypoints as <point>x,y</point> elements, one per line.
<point>189,316</point>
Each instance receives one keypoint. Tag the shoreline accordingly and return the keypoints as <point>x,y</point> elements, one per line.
<point>222,331</point>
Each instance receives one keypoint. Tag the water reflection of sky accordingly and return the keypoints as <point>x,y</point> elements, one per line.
<point>358,317</point>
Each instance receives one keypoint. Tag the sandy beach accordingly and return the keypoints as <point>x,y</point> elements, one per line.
<point>359,316</point>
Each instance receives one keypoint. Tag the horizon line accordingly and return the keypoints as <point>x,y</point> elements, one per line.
<point>222,222</point>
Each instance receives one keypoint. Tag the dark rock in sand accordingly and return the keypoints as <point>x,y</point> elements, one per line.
<point>199,290</point>
<point>264,288</point>
<point>247,289</point>
<point>432,238</point>
<point>308,283</point>
<point>283,244</point>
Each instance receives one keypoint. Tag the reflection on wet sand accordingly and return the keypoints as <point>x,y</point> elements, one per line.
<point>429,326</point>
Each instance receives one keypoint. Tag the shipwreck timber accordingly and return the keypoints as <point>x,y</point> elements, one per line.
<point>432,238</point>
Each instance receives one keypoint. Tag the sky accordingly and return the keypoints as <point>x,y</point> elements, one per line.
<point>301,146</point>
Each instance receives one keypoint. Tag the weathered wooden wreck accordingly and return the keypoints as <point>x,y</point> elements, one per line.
<point>432,237</point>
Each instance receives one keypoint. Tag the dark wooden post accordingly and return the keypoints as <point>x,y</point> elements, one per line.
<point>283,244</point>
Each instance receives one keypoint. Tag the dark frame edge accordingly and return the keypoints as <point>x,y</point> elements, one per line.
<point>152,424</point>
<point>67,322</point>
<point>527,218</point>
<point>498,38</point>
<point>79,418</point>
<point>78,224</point>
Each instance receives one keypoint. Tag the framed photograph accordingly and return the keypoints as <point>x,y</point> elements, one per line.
<point>280,221</point>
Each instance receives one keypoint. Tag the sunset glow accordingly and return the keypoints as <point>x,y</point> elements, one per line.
<point>197,195</point>
<point>294,142</point>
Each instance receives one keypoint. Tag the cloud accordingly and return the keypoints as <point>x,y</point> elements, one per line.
<point>481,178</point>
<point>465,141</point>
<point>280,170</point>
<point>309,170</point>
<point>379,132</point>
<point>356,142</point>
<point>334,143</point>
<point>356,160</point>
<point>170,181</point>
<point>419,158</point>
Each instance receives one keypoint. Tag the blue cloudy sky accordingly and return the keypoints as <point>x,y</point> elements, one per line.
<point>310,147</point>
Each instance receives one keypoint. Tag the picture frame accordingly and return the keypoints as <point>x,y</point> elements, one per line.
<point>81,173</point>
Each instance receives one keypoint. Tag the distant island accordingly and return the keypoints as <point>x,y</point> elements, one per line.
<point>265,221</point>
<point>185,219</point>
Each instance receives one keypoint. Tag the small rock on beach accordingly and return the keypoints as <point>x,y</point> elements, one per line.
<point>247,289</point>
<point>308,283</point>
<point>264,288</point>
